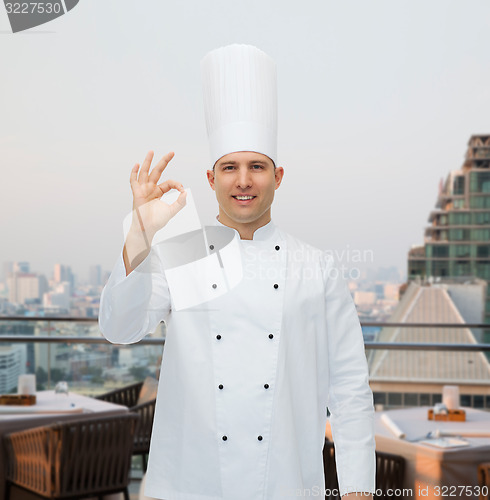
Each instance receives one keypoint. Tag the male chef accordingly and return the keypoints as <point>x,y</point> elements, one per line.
<point>262,333</point>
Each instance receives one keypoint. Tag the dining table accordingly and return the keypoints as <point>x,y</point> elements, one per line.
<point>441,457</point>
<point>50,407</point>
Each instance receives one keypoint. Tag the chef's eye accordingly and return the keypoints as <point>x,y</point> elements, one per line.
<point>257,167</point>
<point>228,167</point>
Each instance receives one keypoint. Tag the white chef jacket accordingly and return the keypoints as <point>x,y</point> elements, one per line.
<point>246,378</point>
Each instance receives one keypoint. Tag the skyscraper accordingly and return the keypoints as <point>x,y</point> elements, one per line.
<point>8,269</point>
<point>457,243</point>
<point>95,275</point>
<point>25,286</point>
<point>63,273</point>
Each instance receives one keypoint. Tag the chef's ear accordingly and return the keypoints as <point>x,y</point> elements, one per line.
<point>278,174</point>
<point>210,174</point>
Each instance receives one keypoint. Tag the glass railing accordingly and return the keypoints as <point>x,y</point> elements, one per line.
<point>74,350</point>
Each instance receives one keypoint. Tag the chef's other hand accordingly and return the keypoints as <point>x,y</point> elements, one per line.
<point>150,213</point>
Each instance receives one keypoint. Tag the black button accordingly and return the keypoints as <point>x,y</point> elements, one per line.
<point>211,247</point>
<point>276,286</point>
<point>260,438</point>
<point>220,386</point>
<point>218,336</point>
<point>277,247</point>
<point>266,386</point>
<point>271,336</point>
<point>214,285</point>
<point>224,438</point>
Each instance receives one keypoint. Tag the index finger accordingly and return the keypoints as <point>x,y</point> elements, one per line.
<point>160,167</point>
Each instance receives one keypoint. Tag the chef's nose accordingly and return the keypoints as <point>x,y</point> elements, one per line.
<point>244,178</point>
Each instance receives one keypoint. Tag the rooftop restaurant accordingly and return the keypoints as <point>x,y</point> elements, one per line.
<point>76,412</point>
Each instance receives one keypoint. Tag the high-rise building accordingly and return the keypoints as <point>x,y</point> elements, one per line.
<point>457,243</point>
<point>8,268</point>
<point>95,275</point>
<point>59,273</point>
<point>12,364</point>
<point>63,273</point>
<point>25,286</point>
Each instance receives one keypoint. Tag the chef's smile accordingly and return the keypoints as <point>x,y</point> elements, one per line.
<point>244,199</point>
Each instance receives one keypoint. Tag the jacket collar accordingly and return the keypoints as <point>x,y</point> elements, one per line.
<point>263,233</point>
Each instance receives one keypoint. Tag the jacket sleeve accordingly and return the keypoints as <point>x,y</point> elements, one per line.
<point>132,306</point>
<point>350,397</point>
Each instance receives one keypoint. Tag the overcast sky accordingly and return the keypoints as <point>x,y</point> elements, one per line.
<point>377,101</point>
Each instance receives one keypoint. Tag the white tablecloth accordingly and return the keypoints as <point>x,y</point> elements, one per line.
<point>429,467</point>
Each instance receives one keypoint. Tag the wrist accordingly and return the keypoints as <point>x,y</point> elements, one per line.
<point>138,230</point>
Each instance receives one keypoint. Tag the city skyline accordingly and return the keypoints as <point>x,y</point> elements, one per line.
<point>351,272</point>
<point>376,104</point>
<point>24,292</point>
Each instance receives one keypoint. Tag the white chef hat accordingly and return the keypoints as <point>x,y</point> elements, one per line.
<point>240,101</point>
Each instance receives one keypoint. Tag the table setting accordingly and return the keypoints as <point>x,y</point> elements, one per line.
<point>45,408</point>
<point>440,452</point>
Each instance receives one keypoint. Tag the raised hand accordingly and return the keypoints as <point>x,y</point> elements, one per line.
<point>150,213</point>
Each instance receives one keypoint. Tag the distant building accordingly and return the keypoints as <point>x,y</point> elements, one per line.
<point>12,364</point>
<point>391,291</point>
<point>26,286</point>
<point>457,243</point>
<point>63,273</point>
<point>24,328</point>
<point>21,267</point>
<point>8,269</point>
<point>95,275</point>
<point>363,298</point>
<point>59,298</point>
<point>59,273</point>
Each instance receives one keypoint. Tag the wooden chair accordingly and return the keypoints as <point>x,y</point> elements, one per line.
<point>71,460</point>
<point>330,469</point>
<point>390,471</point>
<point>484,480</point>
<point>128,396</point>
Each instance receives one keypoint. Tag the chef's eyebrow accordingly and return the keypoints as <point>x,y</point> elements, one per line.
<point>233,162</point>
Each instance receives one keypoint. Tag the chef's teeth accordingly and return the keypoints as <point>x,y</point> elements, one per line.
<point>243,197</point>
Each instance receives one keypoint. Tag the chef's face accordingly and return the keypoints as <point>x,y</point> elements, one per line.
<point>244,183</point>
